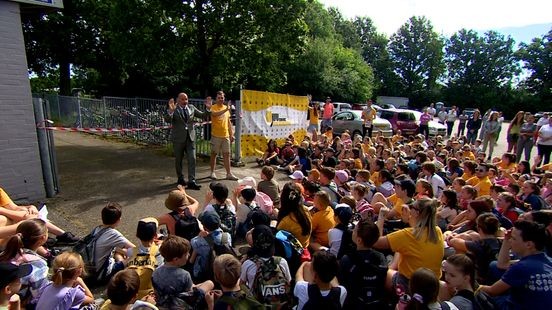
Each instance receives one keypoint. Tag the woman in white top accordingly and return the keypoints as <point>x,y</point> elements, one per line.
<point>544,143</point>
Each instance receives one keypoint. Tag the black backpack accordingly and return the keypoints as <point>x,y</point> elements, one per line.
<point>367,282</point>
<point>318,302</point>
<point>185,224</point>
<point>86,248</point>
<point>227,219</point>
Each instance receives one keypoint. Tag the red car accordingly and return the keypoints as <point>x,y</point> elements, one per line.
<point>403,120</point>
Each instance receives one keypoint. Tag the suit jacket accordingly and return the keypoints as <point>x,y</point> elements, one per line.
<point>182,129</point>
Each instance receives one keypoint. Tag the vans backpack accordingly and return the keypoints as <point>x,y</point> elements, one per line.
<point>86,248</point>
<point>144,264</point>
<point>185,224</point>
<point>270,286</point>
<point>227,218</point>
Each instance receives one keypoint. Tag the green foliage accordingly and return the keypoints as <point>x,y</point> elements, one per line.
<point>416,51</point>
<point>537,58</point>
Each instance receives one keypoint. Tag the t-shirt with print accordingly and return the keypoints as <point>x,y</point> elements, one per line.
<point>322,221</point>
<point>301,291</point>
<point>170,281</point>
<point>38,276</point>
<point>531,282</point>
<point>106,242</point>
<point>143,250</point>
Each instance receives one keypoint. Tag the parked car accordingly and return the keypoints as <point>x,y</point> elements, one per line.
<point>435,128</point>
<point>352,121</point>
<point>338,107</point>
<point>403,120</point>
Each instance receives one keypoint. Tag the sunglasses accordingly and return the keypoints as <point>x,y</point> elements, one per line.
<point>480,170</point>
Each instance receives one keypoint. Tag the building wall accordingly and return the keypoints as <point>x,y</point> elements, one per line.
<point>20,169</point>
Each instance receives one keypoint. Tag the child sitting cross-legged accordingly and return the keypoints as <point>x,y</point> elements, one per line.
<point>122,291</point>
<point>170,280</point>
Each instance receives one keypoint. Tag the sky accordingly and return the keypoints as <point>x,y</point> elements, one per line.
<point>448,16</point>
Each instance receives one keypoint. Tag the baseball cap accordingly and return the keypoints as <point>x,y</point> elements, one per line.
<point>147,228</point>
<point>176,199</point>
<point>343,212</point>
<point>10,272</point>
<point>210,220</point>
<point>248,181</point>
<point>297,175</point>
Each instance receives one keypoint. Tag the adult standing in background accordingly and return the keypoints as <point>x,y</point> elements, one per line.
<point>525,141</point>
<point>442,115</point>
<point>544,142</point>
<point>327,116</point>
<point>368,116</point>
<point>473,126</point>
<point>314,112</point>
<point>462,119</point>
<point>222,135</point>
<point>513,131</point>
<point>181,116</point>
<point>431,110</point>
<point>491,129</point>
<point>424,122</point>
<point>451,118</point>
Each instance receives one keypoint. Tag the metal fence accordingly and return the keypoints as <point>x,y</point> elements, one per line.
<point>118,112</point>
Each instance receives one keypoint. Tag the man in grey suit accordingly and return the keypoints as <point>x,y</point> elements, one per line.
<point>181,116</point>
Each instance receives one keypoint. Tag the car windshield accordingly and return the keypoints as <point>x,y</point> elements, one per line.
<point>386,114</point>
<point>344,116</point>
<point>406,116</point>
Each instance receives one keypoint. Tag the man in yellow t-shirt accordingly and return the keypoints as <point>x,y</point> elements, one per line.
<point>483,187</point>
<point>222,135</point>
<point>368,116</point>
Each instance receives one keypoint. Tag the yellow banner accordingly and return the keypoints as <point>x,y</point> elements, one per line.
<point>253,100</point>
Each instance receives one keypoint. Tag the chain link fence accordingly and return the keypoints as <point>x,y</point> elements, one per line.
<point>120,112</point>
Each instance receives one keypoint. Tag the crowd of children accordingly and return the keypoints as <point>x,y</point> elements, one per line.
<point>363,222</point>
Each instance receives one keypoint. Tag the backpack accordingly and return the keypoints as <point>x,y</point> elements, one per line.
<point>270,286</point>
<point>241,301</point>
<point>367,283</point>
<point>86,248</point>
<point>185,224</point>
<point>318,302</point>
<point>227,219</point>
<point>215,250</point>
<point>144,265</point>
<point>252,209</point>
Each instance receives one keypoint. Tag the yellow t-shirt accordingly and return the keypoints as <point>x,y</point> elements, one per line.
<point>313,119</point>
<point>290,224</point>
<point>468,154</point>
<point>472,181</point>
<point>547,167</point>
<point>219,124</point>
<point>322,221</point>
<point>483,187</point>
<point>417,253</point>
<point>4,198</point>
<point>397,205</point>
<point>374,177</point>
<point>504,166</point>
<point>329,136</point>
<point>358,163</point>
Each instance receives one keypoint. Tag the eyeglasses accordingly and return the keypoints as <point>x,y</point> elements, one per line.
<point>480,170</point>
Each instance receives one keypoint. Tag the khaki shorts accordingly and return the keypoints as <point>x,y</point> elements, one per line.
<point>220,145</point>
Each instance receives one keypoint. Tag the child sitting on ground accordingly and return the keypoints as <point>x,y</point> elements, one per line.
<point>217,201</point>
<point>122,291</point>
<point>316,286</point>
<point>227,270</point>
<point>363,272</point>
<point>10,284</point>
<point>67,289</point>
<point>170,280</point>
<point>177,202</point>
<point>322,221</point>
<point>146,257</point>
<point>245,202</point>
<point>269,186</point>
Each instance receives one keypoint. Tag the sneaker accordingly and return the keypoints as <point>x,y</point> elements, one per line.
<point>213,175</point>
<point>231,177</point>
<point>67,238</point>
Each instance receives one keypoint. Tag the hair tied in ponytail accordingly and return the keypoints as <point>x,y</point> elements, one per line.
<point>419,298</point>
<point>292,195</point>
<point>60,269</point>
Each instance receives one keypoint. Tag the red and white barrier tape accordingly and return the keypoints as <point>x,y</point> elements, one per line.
<point>99,129</point>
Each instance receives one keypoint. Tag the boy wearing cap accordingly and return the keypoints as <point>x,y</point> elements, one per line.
<point>177,202</point>
<point>10,284</point>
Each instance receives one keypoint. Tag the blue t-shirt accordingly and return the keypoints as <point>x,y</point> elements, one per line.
<point>531,282</point>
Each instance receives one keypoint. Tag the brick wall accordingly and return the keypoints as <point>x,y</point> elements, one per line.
<point>20,169</point>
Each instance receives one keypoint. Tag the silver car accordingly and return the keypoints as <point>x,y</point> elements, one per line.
<point>435,128</point>
<point>352,121</point>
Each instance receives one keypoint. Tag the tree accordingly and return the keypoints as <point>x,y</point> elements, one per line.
<point>480,69</point>
<point>537,58</point>
<point>416,51</point>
